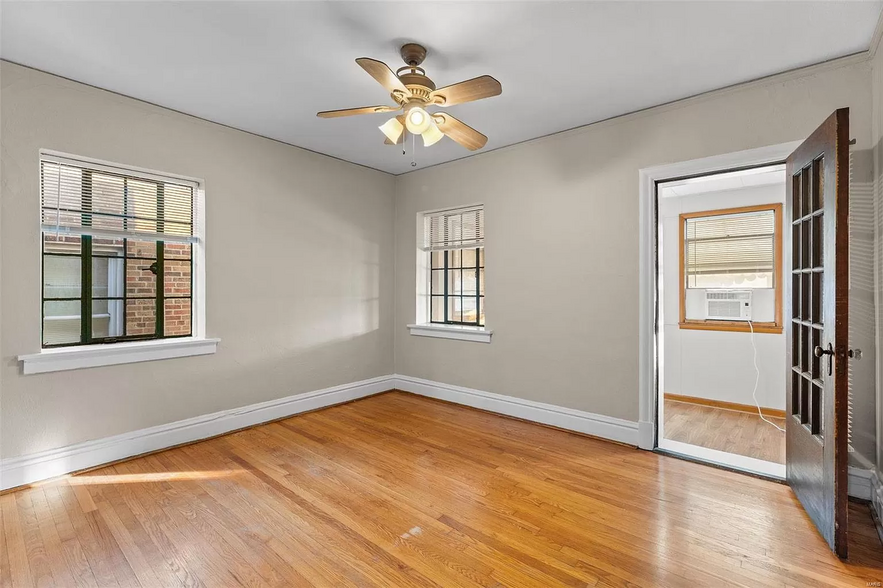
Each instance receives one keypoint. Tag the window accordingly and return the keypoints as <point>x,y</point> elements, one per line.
<point>118,254</point>
<point>453,243</point>
<point>457,287</point>
<point>732,254</point>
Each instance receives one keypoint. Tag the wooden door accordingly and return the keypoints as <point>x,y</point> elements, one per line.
<point>816,209</point>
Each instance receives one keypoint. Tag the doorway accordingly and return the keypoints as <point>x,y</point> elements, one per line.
<point>722,354</point>
<point>815,247</point>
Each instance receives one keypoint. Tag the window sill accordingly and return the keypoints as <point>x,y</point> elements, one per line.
<point>86,356</point>
<point>460,332</point>
<point>731,326</point>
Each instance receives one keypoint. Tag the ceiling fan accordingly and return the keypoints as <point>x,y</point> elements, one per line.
<point>413,91</point>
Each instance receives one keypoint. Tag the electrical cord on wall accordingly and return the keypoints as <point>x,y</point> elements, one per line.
<point>757,380</point>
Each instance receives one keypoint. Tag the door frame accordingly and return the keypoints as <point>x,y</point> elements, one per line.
<point>648,279</point>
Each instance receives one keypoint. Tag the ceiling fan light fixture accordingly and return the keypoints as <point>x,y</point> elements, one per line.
<point>393,130</point>
<point>413,91</point>
<point>417,120</point>
<point>432,135</point>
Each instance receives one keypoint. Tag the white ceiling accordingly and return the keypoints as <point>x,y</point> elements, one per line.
<point>749,178</point>
<point>268,67</point>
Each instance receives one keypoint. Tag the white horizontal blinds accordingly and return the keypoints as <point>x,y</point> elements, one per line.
<point>730,243</point>
<point>82,199</point>
<point>461,228</point>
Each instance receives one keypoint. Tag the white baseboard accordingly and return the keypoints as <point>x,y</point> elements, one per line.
<point>865,484</point>
<point>558,416</point>
<point>877,495</point>
<point>647,435</point>
<point>26,469</point>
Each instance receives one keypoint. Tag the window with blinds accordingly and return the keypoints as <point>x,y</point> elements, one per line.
<point>730,250</point>
<point>454,240</point>
<point>117,253</point>
<point>90,200</point>
<point>461,228</point>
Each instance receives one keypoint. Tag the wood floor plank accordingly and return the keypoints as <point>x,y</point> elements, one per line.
<point>163,553</point>
<point>262,529</point>
<point>397,513</point>
<point>398,490</point>
<point>132,550</point>
<point>19,568</point>
<point>62,575</point>
<point>547,515</point>
<point>296,536</point>
<point>732,431</point>
<point>154,508</point>
<point>5,573</point>
<point>438,501</point>
<point>325,513</point>
<point>100,557</point>
<point>41,570</point>
<point>73,554</point>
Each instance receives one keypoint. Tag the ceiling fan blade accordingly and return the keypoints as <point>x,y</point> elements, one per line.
<point>381,72</point>
<point>468,91</point>
<point>459,131</point>
<point>353,111</point>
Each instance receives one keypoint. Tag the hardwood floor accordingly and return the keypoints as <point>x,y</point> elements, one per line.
<point>741,433</point>
<point>398,490</point>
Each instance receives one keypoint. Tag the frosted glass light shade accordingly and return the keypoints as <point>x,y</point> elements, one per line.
<point>393,130</point>
<point>432,135</point>
<point>417,120</point>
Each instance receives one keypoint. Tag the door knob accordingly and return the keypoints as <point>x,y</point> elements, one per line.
<point>819,352</point>
<point>854,353</point>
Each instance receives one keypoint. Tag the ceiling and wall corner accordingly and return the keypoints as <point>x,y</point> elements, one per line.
<point>877,38</point>
<point>267,68</point>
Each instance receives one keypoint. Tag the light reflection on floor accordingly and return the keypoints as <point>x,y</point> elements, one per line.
<point>92,480</point>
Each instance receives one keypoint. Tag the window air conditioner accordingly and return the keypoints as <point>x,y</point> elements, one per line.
<point>728,305</point>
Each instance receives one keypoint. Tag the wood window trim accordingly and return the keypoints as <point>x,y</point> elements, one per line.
<point>778,277</point>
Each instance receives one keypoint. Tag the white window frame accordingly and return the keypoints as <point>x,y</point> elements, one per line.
<point>84,356</point>
<point>422,327</point>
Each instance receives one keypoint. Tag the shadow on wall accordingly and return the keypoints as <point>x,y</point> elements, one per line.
<point>294,315</point>
<point>309,271</point>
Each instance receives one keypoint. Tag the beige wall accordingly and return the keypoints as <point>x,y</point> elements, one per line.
<point>300,252</point>
<point>298,263</point>
<point>562,236</point>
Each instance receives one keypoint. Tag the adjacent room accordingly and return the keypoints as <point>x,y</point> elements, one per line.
<point>723,344</point>
<point>521,294</point>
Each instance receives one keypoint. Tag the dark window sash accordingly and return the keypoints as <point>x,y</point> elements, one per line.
<point>446,296</point>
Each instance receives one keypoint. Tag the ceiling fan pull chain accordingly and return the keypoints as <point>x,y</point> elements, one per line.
<point>413,149</point>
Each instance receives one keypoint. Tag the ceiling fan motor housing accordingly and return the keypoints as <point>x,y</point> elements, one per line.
<point>413,76</point>
<point>413,54</point>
